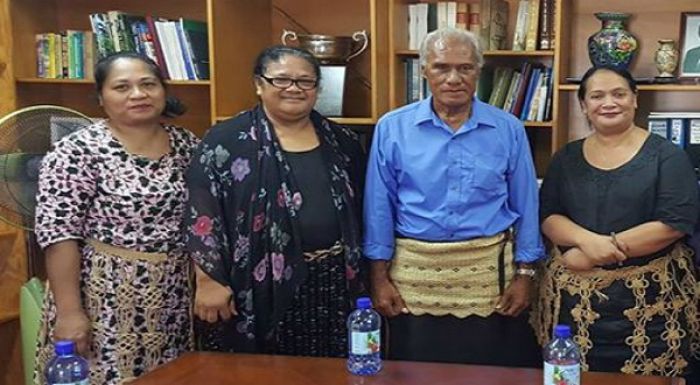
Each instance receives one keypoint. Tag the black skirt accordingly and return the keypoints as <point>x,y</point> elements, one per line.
<point>314,325</point>
<point>493,340</point>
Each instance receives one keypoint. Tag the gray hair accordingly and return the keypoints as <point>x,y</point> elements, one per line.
<point>459,36</point>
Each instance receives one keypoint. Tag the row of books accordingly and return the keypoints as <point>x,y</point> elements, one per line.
<point>179,47</point>
<point>488,19</point>
<point>68,54</point>
<point>681,128</point>
<point>525,92</point>
<point>534,25</point>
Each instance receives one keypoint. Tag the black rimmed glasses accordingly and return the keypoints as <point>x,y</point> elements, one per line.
<point>284,83</point>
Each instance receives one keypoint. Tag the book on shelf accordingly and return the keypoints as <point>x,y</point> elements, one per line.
<point>485,20</point>
<point>462,21</point>
<point>520,30</point>
<point>64,55</point>
<point>197,43</point>
<point>179,47</point>
<point>475,18</point>
<point>427,17</point>
<point>532,25</point>
<point>499,25</point>
<point>103,34</point>
<point>525,92</point>
<point>546,34</point>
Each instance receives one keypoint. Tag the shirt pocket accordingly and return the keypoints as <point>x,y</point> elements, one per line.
<point>490,177</point>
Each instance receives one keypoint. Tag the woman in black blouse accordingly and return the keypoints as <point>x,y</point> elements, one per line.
<point>617,206</point>
<point>273,219</point>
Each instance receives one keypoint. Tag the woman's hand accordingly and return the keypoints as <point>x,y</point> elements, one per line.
<point>74,325</point>
<point>602,250</point>
<point>576,260</point>
<point>213,301</point>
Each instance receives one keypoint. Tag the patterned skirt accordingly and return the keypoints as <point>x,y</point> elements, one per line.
<point>313,325</point>
<point>633,319</point>
<point>139,311</point>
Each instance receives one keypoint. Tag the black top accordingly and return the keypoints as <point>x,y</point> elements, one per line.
<point>657,184</point>
<point>317,217</point>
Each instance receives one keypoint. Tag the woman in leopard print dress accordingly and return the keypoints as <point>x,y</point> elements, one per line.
<point>109,209</point>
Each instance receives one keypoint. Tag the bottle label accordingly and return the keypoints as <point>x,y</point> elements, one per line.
<point>562,374</point>
<point>364,342</point>
<point>83,382</point>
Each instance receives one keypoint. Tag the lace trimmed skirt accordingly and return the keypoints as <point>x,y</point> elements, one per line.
<point>635,319</point>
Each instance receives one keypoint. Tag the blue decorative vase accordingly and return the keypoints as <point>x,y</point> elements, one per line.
<point>613,44</point>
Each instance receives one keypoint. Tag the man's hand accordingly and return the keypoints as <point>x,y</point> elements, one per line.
<point>387,300</point>
<point>74,326</point>
<point>516,296</point>
<point>385,296</point>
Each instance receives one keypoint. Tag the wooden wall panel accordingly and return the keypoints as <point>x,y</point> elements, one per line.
<point>12,264</point>
<point>7,87</point>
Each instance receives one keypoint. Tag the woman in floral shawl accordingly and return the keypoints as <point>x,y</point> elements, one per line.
<point>273,219</point>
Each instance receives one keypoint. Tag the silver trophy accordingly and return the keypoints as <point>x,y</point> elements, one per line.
<point>334,52</point>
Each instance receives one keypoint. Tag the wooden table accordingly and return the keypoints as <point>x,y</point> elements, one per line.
<point>246,369</point>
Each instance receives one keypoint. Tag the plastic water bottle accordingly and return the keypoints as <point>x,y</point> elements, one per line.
<point>67,368</point>
<point>562,359</point>
<point>364,339</point>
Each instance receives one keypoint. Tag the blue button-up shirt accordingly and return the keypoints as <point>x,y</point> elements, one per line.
<point>428,182</point>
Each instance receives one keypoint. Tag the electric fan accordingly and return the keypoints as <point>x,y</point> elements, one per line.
<point>25,137</point>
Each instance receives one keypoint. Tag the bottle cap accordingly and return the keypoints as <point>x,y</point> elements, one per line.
<point>64,347</point>
<point>562,331</point>
<point>364,303</point>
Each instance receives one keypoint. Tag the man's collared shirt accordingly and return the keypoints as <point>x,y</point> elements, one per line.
<point>428,182</point>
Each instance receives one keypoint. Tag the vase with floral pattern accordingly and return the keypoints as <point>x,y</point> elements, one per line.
<point>666,58</point>
<point>612,44</point>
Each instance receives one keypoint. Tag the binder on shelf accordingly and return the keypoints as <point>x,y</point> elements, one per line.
<point>659,126</point>
<point>682,128</point>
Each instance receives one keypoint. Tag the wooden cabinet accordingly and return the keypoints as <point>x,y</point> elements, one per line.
<point>238,31</point>
<point>650,21</point>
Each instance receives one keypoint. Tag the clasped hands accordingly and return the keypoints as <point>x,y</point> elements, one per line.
<point>596,250</point>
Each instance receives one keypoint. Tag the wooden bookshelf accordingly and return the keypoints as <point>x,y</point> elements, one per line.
<point>238,30</point>
<point>543,135</point>
<point>651,20</point>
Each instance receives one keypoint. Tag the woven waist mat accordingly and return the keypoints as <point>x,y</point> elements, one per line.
<point>455,278</point>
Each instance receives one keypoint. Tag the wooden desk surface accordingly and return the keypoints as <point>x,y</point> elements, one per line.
<point>244,369</point>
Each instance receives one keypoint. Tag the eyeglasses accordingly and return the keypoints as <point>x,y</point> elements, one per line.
<point>284,83</point>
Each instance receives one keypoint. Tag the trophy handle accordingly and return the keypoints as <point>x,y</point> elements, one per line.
<point>357,36</point>
<point>287,33</point>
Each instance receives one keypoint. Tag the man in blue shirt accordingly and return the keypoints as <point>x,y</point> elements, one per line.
<point>450,182</point>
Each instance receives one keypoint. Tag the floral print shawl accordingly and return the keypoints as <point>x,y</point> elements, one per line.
<point>241,223</point>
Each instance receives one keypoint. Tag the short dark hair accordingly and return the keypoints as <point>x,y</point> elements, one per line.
<point>173,106</point>
<point>276,52</point>
<point>619,71</point>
